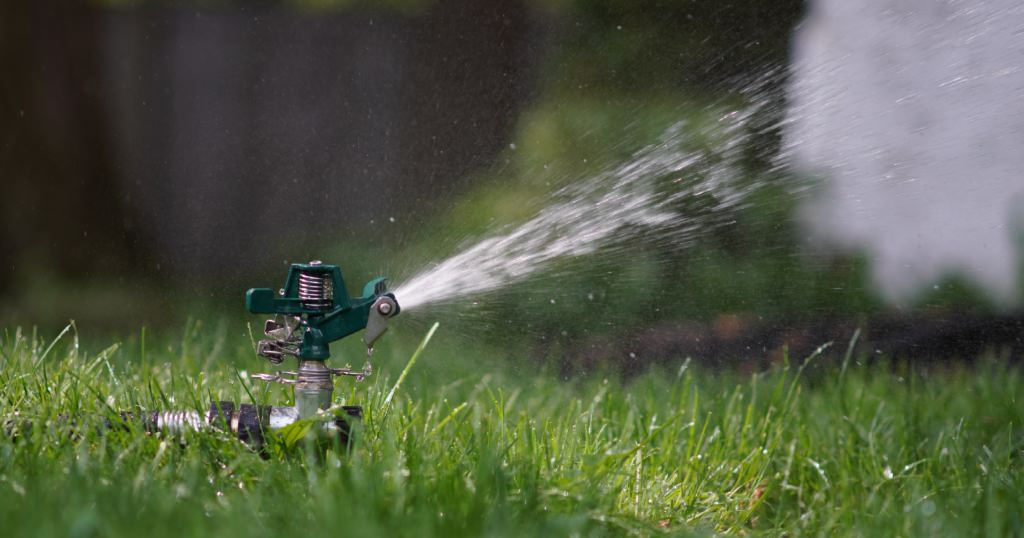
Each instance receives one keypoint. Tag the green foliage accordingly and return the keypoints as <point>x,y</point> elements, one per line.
<point>656,44</point>
<point>835,446</point>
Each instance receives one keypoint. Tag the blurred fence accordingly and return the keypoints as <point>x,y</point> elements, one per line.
<point>188,136</point>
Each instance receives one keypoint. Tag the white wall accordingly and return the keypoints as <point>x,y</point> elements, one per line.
<point>913,113</point>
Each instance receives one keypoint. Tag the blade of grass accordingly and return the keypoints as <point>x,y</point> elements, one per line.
<point>408,366</point>
<point>49,348</point>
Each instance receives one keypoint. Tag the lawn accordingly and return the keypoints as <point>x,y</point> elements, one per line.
<point>828,444</point>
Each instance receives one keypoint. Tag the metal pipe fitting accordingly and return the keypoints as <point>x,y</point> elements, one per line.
<point>249,422</point>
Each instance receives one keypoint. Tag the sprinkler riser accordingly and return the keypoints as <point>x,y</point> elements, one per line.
<point>314,388</point>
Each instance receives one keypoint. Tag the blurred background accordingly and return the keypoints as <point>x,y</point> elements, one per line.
<point>158,158</point>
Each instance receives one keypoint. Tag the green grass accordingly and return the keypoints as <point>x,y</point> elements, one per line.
<point>467,447</point>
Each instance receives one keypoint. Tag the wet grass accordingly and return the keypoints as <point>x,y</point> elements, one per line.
<point>823,446</point>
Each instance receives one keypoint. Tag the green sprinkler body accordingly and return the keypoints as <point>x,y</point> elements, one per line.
<point>314,295</point>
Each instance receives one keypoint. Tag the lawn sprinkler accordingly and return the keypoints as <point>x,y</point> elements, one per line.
<point>312,310</point>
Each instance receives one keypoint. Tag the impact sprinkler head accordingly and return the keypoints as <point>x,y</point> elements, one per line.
<point>314,309</point>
